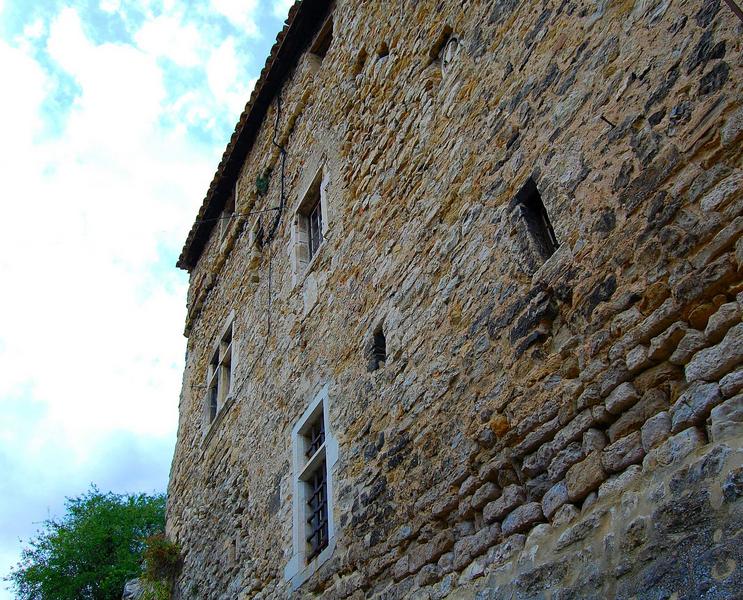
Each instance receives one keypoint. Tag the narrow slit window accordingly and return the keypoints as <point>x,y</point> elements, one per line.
<point>378,350</point>
<point>537,220</point>
<point>323,40</point>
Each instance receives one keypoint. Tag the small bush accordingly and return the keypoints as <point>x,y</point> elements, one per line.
<point>161,559</point>
<point>156,590</point>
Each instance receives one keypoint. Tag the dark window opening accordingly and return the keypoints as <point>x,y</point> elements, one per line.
<point>378,350</point>
<point>318,512</point>
<point>227,213</point>
<point>360,62</point>
<point>435,52</point>
<point>323,40</point>
<point>383,50</point>
<point>537,221</point>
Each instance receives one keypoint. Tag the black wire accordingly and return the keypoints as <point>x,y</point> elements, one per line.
<point>277,220</point>
<point>280,210</point>
<point>233,215</point>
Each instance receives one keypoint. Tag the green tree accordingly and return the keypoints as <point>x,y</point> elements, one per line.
<point>90,552</point>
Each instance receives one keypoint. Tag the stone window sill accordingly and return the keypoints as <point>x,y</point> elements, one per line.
<point>313,264</point>
<point>214,425</point>
<point>298,576</point>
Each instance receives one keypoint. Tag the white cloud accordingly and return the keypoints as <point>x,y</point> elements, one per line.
<point>109,6</point>
<point>35,29</point>
<point>94,203</point>
<point>241,13</point>
<point>224,77</point>
<point>281,8</point>
<point>122,90</point>
<point>92,309</point>
<point>20,119</point>
<point>167,36</point>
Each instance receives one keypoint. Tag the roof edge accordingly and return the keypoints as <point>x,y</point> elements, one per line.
<point>304,19</point>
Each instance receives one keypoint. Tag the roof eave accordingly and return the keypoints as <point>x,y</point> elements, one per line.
<point>304,19</point>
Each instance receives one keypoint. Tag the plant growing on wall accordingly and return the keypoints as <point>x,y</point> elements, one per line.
<point>161,561</point>
<point>262,182</point>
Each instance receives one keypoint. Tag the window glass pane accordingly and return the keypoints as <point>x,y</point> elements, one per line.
<point>213,402</point>
<point>315,229</point>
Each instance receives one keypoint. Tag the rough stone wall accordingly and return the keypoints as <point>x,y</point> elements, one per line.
<point>559,429</point>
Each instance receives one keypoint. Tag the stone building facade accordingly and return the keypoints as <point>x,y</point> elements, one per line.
<point>464,316</point>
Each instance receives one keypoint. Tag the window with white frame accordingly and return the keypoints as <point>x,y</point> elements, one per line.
<point>228,213</point>
<point>219,374</point>
<point>315,451</point>
<point>310,224</point>
<point>314,476</point>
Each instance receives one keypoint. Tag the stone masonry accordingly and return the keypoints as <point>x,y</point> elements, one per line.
<point>554,416</point>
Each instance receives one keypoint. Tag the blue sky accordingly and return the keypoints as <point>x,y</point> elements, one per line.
<point>113,117</point>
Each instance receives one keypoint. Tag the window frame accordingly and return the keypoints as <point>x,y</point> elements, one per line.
<point>303,563</point>
<point>313,201</point>
<point>227,216</point>
<point>220,374</point>
<point>323,40</point>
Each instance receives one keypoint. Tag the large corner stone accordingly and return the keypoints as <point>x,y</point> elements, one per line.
<point>621,398</point>
<point>726,420</point>
<point>523,518</point>
<point>623,453</point>
<point>694,405</point>
<point>512,496</point>
<point>585,477</point>
<point>712,363</point>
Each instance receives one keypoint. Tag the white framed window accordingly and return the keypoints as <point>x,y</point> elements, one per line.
<point>228,213</point>
<point>310,225</point>
<point>314,452</point>
<point>220,372</point>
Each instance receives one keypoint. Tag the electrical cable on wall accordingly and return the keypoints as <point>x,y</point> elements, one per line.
<point>271,234</point>
<point>277,220</point>
<point>233,215</point>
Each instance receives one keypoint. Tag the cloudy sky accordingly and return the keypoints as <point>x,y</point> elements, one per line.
<point>113,117</point>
